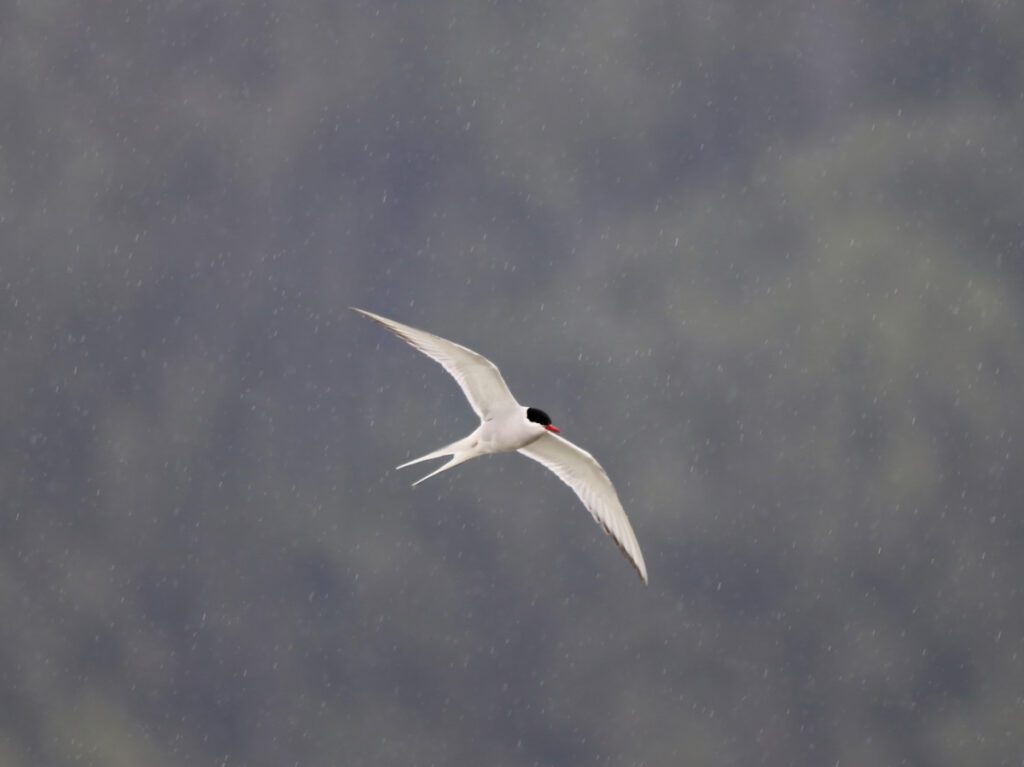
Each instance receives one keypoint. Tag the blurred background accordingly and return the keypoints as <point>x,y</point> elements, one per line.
<point>763,260</point>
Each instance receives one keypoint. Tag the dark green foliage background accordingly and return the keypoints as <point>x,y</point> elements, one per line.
<point>764,260</point>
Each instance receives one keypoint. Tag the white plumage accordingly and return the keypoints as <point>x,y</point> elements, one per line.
<point>507,426</point>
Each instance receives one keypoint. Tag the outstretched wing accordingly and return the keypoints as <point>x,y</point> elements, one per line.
<point>579,470</point>
<point>478,377</point>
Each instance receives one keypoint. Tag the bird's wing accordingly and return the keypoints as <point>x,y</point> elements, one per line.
<point>579,470</point>
<point>478,377</point>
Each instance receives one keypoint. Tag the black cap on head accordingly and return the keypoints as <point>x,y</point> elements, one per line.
<point>538,416</point>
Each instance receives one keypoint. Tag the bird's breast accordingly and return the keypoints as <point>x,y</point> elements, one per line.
<point>503,435</point>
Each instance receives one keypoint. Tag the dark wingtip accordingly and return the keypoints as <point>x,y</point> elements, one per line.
<point>626,554</point>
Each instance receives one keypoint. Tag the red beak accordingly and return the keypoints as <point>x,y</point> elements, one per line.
<point>552,427</point>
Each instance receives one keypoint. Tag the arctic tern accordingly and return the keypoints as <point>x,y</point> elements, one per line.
<point>507,426</point>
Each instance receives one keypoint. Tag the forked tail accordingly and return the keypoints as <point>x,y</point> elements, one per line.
<point>460,452</point>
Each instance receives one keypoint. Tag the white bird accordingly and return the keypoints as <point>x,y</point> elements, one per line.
<point>505,426</point>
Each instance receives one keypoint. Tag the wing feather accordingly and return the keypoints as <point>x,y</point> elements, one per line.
<point>579,470</point>
<point>478,377</point>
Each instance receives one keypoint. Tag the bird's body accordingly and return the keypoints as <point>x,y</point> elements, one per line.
<point>506,426</point>
<point>502,432</point>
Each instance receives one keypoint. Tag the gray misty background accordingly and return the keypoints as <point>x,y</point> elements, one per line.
<point>764,260</point>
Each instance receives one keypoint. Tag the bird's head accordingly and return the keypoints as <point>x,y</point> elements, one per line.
<point>538,416</point>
